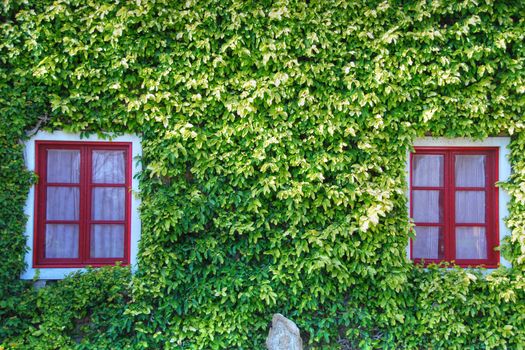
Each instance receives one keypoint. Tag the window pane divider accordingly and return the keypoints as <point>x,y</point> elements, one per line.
<point>449,210</point>
<point>473,189</point>
<point>107,222</point>
<point>439,224</point>
<point>427,188</point>
<point>51,222</point>
<point>61,184</point>
<point>85,203</point>
<point>470,224</point>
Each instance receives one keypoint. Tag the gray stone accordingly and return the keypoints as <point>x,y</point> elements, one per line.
<point>284,335</point>
<point>39,284</point>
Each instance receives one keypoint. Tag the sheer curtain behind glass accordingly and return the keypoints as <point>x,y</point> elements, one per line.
<point>427,205</point>
<point>427,170</point>
<point>62,203</point>
<point>108,204</point>
<point>107,241</point>
<point>427,244</point>
<point>109,167</point>
<point>471,241</point>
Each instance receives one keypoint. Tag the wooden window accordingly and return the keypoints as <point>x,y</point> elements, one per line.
<point>82,203</point>
<point>454,204</point>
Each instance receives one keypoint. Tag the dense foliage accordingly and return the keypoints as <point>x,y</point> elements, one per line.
<point>275,136</point>
<point>84,310</point>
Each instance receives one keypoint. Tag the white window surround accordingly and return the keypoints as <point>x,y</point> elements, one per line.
<point>59,273</point>
<point>504,170</point>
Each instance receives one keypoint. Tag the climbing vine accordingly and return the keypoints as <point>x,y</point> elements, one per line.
<point>275,136</point>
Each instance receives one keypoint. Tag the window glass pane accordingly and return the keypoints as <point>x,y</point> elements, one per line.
<point>471,243</point>
<point>108,203</point>
<point>62,203</point>
<point>426,206</point>
<point>470,207</point>
<point>109,167</point>
<point>63,166</point>
<point>427,170</point>
<point>428,243</point>
<point>61,241</point>
<point>107,241</point>
<point>470,171</point>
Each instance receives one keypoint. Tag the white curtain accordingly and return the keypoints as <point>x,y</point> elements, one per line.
<point>426,206</point>
<point>63,166</point>
<point>426,245</point>
<point>470,207</point>
<point>427,170</point>
<point>108,203</point>
<point>107,241</point>
<point>471,243</point>
<point>61,241</point>
<point>109,167</point>
<point>470,170</point>
<point>62,203</point>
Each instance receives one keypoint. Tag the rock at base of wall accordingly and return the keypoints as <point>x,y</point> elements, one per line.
<point>284,335</point>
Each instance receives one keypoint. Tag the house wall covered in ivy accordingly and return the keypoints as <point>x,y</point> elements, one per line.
<point>275,136</point>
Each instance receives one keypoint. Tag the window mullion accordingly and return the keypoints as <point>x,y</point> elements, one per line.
<point>89,204</point>
<point>41,214</point>
<point>127,199</point>
<point>488,201</point>
<point>450,213</point>
<point>84,202</point>
<point>491,210</point>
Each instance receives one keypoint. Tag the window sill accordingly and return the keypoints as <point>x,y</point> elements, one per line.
<point>449,264</point>
<point>79,265</point>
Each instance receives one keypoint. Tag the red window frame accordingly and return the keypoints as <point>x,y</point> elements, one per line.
<point>85,202</point>
<point>449,188</point>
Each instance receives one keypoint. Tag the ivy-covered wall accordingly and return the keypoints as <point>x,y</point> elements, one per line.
<point>275,136</point>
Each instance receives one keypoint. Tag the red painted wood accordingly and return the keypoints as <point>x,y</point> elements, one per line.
<point>427,188</point>
<point>85,221</point>
<point>422,224</point>
<point>449,225</point>
<point>86,242</point>
<point>106,185</point>
<point>450,209</point>
<point>411,198</point>
<point>55,184</point>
